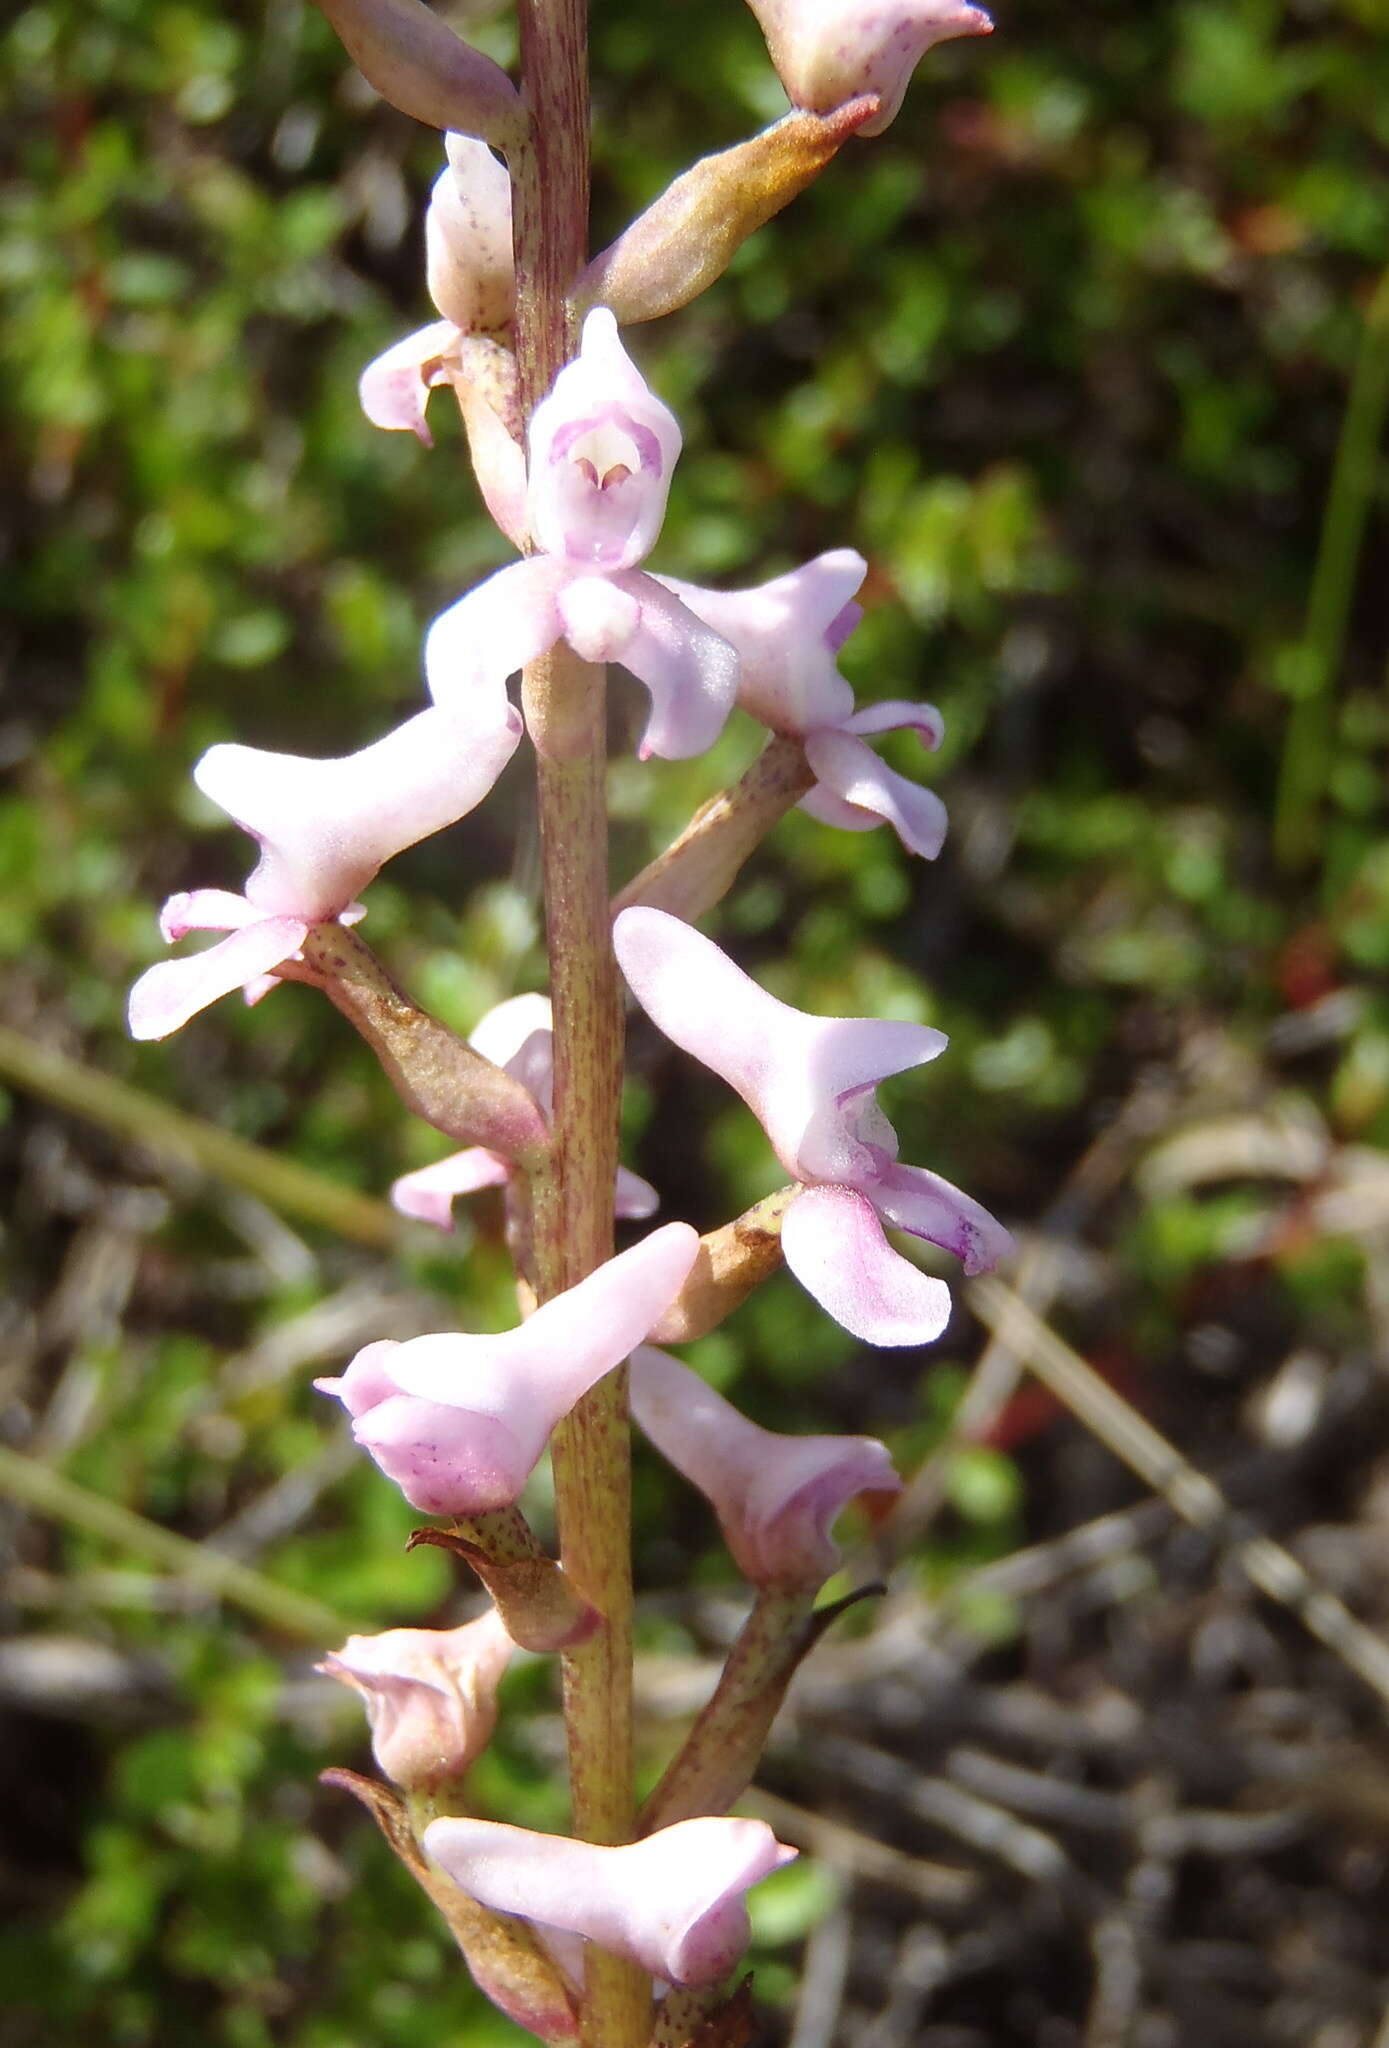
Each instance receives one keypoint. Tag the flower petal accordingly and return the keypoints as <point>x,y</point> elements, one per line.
<point>830,51</point>
<point>672,1904</point>
<point>776,1496</point>
<point>326,827</point>
<point>898,714</point>
<point>459,1422</point>
<point>787,634</point>
<point>602,448</point>
<point>804,1077</point>
<point>467,239</point>
<point>167,995</point>
<point>834,1244</point>
<point>394,388</point>
<point>511,619</point>
<point>430,1191</point>
<point>856,791</point>
<point>690,671</point>
<point>205,910</point>
<point>600,617</point>
<point>633,1197</point>
<point>430,1695</point>
<point>913,1199</point>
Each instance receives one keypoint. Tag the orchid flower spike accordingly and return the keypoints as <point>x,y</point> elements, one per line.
<point>830,51</point>
<point>810,1081</point>
<point>471,278</point>
<point>517,1035</point>
<point>430,1695</point>
<point>460,1422</point>
<point>672,1904</point>
<point>787,635</point>
<point>602,448</point>
<point>776,1497</point>
<point>325,828</point>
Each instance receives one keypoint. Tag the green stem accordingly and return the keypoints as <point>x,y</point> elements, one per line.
<point>572,1191</point>
<point>52,1493</point>
<point>1307,740</point>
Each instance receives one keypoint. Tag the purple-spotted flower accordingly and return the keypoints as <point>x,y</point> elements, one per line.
<point>325,828</point>
<point>602,448</point>
<point>430,1695</point>
<point>811,1082</point>
<point>471,278</point>
<point>787,634</point>
<point>672,1904</point>
<point>777,1497</point>
<point>459,1422</point>
<point>519,1036</point>
<point>830,51</point>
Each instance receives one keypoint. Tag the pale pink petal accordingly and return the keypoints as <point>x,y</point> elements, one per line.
<point>834,1244</point>
<point>499,462</point>
<point>690,672</point>
<point>430,1695</point>
<point>830,51</point>
<point>430,1191</point>
<point>459,1422</point>
<point>326,827</point>
<point>394,388</point>
<point>915,1200</point>
<point>259,987</point>
<point>776,1496</point>
<point>602,448</point>
<point>633,1197</point>
<point>511,619</point>
<point>205,910</point>
<point>467,239</point>
<point>855,790</point>
<point>898,714</point>
<point>808,1079</point>
<point>672,1904</point>
<point>600,617</point>
<point>166,996</point>
<point>787,634</point>
<point>510,1036</point>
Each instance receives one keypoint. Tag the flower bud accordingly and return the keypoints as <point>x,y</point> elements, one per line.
<point>430,1696</point>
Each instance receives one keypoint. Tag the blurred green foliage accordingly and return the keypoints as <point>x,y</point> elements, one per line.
<point>1067,354</point>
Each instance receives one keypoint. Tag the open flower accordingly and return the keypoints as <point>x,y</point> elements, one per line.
<point>830,51</point>
<point>673,1904</point>
<point>519,1036</point>
<point>325,828</point>
<point>787,634</point>
<point>471,278</point>
<point>811,1082</point>
<point>776,1497</point>
<point>459,1422</point>
<point>430,1695</point>
<point>602,448</point>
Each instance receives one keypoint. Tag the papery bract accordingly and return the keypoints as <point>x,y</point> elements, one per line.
<point>459,1422</point>
<point>787,634</point>
<point>673,1904</point>
<point>829,51</point>
<point>325,828</point>
<point>811,1082</point>
<point>776,1496</point>
<point>430,1695</point>
<point>602,448</point>
<point>519,1036</point>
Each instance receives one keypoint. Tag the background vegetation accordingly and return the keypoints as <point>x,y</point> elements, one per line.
<point>1090,356</point>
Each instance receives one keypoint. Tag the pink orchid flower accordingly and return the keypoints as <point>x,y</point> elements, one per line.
<point>602,448</point>
<point>518,1035</point>
<point>672,1904</point>
<point>430,1695</point>
<point>325,829</point>
<point>776,1497</point>
<point>459,1422</point>
<point>787,634</point>
<point>471,278</point>
<point>830,51</point>
<point>810,1081</point>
